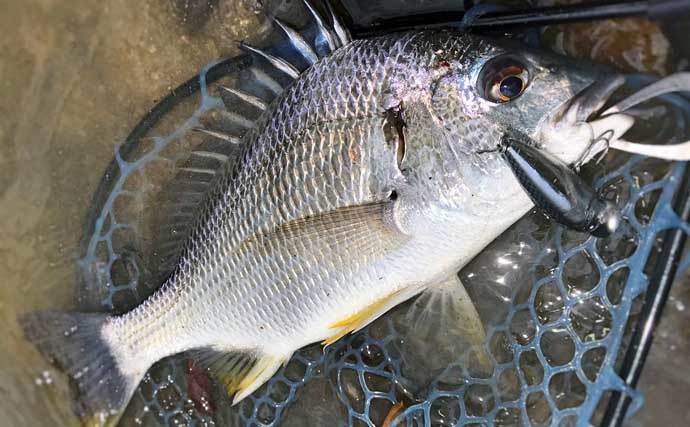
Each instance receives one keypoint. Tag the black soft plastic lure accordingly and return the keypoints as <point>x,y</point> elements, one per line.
<point>558,191</point>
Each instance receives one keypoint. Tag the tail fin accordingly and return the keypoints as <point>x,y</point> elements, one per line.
<point>75,343</point>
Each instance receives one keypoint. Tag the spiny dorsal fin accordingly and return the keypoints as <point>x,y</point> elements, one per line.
<point>249,98</point>
<point>240,373</point>
<point>298,42</point>
<point>328,35</point>
<point>182,196</point>
<point>232,139</point>
<point>245,96</point>
<point>340,30</point>
<point>278,63</point>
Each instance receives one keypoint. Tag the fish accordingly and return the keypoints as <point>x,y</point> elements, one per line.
<point>371,179</point>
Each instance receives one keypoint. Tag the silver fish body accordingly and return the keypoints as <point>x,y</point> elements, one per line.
<point>370,179</point>
<point>302,232</point>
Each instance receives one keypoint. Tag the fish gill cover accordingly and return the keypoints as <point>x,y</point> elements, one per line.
<point>557,306</point>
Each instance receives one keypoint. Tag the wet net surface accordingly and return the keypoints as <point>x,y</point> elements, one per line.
<point>557,306</point>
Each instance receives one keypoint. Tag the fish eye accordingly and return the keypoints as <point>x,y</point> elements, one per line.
<point>503,79</point>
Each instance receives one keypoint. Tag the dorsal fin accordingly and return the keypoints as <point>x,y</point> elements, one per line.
<point>300,44</point>
<point>277,62</point>
<point>132,240</point>
<point>182,197</point>
<point>217,138</point>
<point>329,36</point>
<point>344,36</point>
<point>249,98</point>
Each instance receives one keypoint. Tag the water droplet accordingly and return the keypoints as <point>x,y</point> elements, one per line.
<point>47,378</point>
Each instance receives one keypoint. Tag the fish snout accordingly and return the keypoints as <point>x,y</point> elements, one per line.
<point>570,132</point>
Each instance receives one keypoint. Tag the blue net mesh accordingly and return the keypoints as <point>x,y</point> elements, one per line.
<point>557,308</point>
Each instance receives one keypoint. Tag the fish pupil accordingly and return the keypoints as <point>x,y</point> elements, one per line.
<point>511,87</point>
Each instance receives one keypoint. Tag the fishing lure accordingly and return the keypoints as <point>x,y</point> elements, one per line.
<point>558,191</point>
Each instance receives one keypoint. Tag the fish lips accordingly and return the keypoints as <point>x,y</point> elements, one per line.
<point>587,102</point>
<point>570,131</point>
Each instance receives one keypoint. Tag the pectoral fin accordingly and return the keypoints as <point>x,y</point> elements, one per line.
<point>240,373</point>
<point>350,224</point>
<point>367,231</point>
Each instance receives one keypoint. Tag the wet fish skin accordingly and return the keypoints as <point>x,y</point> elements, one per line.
<point>323,225</point>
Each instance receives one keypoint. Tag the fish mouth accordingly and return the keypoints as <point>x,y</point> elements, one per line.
<point>588,101</point>
<point>576,132</point>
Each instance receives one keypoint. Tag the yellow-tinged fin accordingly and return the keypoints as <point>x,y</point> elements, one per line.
<point>365,316</point>
<point>240,373</point>
<point>262,371</point>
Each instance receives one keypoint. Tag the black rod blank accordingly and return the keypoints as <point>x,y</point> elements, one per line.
<point>560,14</point>
<point>535,17</point>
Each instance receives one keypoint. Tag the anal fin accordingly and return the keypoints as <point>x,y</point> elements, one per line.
<point>262,371</point>
<point>240,373</point>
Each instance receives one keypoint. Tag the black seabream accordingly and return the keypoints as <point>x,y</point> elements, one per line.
<point>372,178</point>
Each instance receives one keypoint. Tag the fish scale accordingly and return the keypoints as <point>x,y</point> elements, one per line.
<point>243,211</point>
